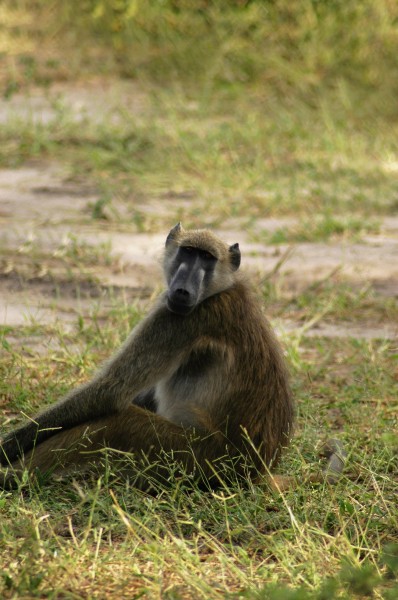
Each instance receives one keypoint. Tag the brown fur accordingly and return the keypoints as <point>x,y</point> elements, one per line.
<point>219,373</point>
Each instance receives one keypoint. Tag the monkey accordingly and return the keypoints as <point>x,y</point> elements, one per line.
<point>201,378</point>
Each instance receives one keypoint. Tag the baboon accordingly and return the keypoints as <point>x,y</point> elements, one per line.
<point>201,377</point>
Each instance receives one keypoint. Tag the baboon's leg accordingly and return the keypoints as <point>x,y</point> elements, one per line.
<point>133,430</point>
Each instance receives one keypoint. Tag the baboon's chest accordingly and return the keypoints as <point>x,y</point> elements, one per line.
<point>197,365</point>
<point>193,385</point>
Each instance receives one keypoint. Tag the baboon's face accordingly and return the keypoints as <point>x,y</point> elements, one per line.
<point>190,275</point>
<point>197,264</point>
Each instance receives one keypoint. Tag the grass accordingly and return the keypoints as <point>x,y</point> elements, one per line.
<point>303,130</point>
<point>240,163</point>
<point>336,301</point>
<point>79,538</point>
<point>323,227</point>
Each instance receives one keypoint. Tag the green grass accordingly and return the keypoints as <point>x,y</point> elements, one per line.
<point>253,162</point>
<point>321,228</point>
<point>336,301</point>
<point>100,536</point>
<point>76,538</point>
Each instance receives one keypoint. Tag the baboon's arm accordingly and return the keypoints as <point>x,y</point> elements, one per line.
<point>142,361</point>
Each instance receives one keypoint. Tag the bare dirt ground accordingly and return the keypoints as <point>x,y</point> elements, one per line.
<point>44,219</point>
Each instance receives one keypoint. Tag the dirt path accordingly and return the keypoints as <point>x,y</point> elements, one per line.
<point>45,227</point>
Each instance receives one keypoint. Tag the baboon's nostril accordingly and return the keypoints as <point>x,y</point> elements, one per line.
<point>182,292</point>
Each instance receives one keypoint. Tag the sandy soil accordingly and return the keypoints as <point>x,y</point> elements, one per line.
<point>42,212</point>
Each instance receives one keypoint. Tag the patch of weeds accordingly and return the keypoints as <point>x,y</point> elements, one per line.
<point>105,328</point>
<point>11,88</point>
<point>324,228</point>
<point>361,580</point>
<point>247,540</point>
<point>70,265</point>
<point>340,300</point>
<point>229,165</point>
<point>353,386</point>
<point>80,252</point>
<point>100,208</point>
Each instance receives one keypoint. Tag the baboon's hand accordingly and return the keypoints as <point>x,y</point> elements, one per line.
<point>333,450</point>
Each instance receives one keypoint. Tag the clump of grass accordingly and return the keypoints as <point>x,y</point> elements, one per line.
<point>289,49</point>
<point>101,535</point>
<point>341,301</point>
<point>324,228</point>
<point>79,252</point>
<point>226,168</point>
<point>108,536</point>
<point>262,115</point>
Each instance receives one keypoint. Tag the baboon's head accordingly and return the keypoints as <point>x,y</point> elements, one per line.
<point>197,264</point>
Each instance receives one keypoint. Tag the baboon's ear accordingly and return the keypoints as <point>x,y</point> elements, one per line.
<point>173,233</point>
<point>234,254</point>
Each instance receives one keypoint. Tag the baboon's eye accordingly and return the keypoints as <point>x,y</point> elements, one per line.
<point>206,255</point>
